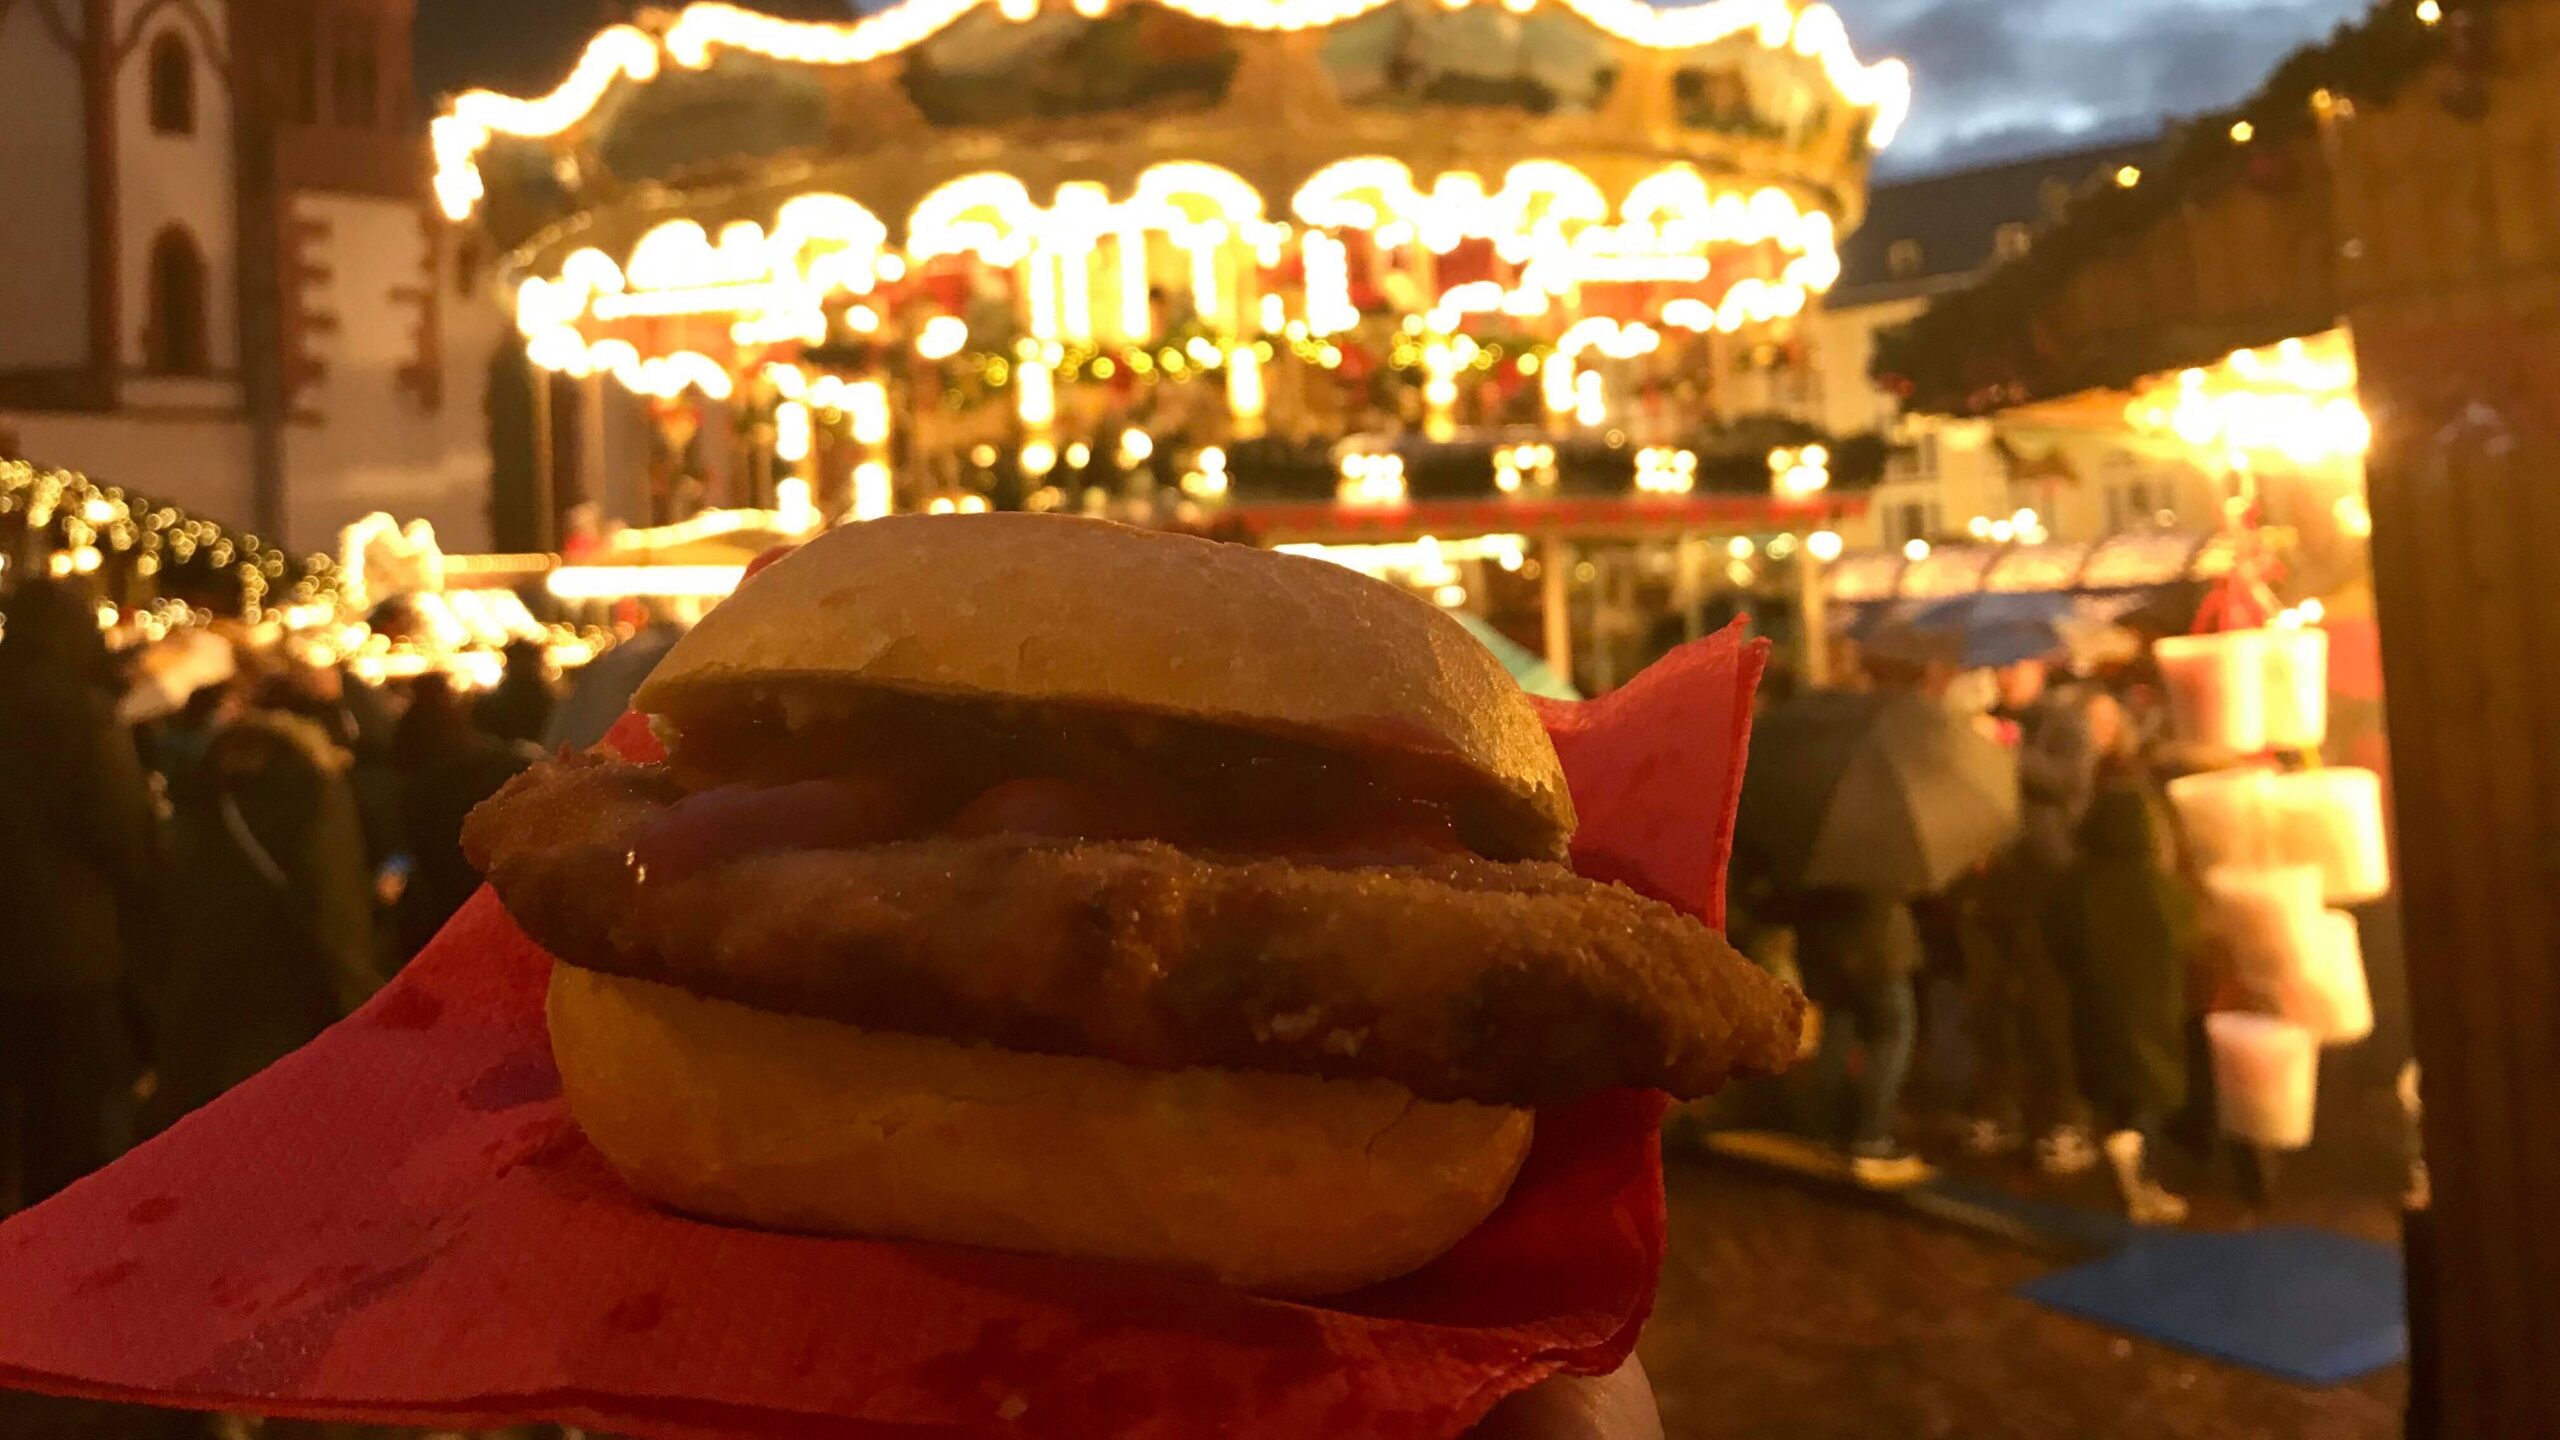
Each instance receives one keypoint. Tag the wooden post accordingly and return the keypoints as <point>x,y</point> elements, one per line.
<point>1555,562</point>
<point>546,503</point>
<point>2466,526</point>
<point>1813,617</point>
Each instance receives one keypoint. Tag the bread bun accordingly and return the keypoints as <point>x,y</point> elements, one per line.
<point>1053,608</point>
<point>1278,1183</point>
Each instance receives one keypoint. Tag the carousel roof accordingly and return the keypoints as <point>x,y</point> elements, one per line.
<point>716,112</point>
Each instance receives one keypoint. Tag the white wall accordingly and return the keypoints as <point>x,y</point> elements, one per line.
<point>181,179</point>
<point>44,141</point>
<point>1847,400</point>
<point>197,464</point>
<point>377,445</point>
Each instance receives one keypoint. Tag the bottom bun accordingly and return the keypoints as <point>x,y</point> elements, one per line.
<point>1280,1183</point>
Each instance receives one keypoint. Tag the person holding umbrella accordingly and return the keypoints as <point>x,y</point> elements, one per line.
<point>1854,805</point>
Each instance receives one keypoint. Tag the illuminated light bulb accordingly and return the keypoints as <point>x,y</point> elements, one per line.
<point>973,505</point>
<point>1979,527</point>
<point>1740,547</point>
<point>2242,132</point>
<point>1915,550</point>
<point>2311,612</point>
<point>1135,447</point>
<point>792,507</point>
<point>942,337</point>
<point>1450,597</point>
<point>2128,176</point>
<point>872,494</point>
<point>2430,11</point>
<point>866,405</point>
<point>1039,457</point>
<point>982,455</point>
<point>1823,545</point>
<point>791,431</point>
<point>2001,532</point>
<point>942,505</point>
<point>1079,455</point>
<point>1037,393</point>
<point>1274,314</point>
<point>1590,399</point>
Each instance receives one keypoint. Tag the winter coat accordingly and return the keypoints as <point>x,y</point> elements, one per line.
<point>76,831</point>
<point>437,790</point>
<point>2131,921</point>
<point>269,937</point>
<point>2056,768</point>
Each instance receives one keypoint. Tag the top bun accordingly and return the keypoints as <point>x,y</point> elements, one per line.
<point>1060,609</point>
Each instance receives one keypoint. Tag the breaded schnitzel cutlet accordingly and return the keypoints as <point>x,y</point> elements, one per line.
<point>1516,983</point>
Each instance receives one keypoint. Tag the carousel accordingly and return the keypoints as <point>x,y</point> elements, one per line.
<point>1300,270</point>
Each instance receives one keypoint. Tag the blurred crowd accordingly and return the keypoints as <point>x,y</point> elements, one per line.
<point>217,850</point>
<point>2069,960</point>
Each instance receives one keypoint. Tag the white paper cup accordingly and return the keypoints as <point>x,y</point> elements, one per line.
<point>2226,816</point>
<point>2332,819</point>
<point>2297,702</point>
<point>2328,995</point>
<point>2217,688</point>
<point>2268,916</point>
<point>2266,1078</point>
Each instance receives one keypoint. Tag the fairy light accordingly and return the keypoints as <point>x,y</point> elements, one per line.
<point>1245,397</point>
<point>1372,481</point>
<point>1135,448</point>
<point>1823,545</point>
<point>1662,470</point>
<point>942,337</point>
<point>1798,474</point>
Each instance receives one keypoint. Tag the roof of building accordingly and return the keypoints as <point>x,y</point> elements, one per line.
<point>1955,217</point>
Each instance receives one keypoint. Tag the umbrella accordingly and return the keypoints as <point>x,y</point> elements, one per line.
<point>1888,794</point>
<point>1534,674</point>
<point>2001,629</point>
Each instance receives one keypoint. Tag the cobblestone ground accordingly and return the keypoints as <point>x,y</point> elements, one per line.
<point>1791,1314</point>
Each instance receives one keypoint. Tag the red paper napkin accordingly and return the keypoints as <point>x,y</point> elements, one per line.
<point>401,1224</point>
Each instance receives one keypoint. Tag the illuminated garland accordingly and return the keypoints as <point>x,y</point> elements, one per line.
<point>71,525</point>
<point>624,52</point>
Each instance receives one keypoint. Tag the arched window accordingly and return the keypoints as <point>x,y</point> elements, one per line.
<point>173,85</point>
<point>174,342</point>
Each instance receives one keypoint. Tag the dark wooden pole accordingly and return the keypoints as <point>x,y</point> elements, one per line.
<point>2464,386</point>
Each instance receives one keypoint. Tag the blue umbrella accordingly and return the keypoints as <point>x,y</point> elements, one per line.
<point>1534,674</point>
<point>1999,629</point>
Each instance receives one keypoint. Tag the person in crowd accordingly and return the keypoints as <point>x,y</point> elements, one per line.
<point>519,706</point>
<point>181,740</point>
<point>446,765</point>
<point>76,828</point>
<point>2016,997</point>
<point>605,686</point>
<point>2129,924</point>
<point>1856,954</point>
<point>270,933</point>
